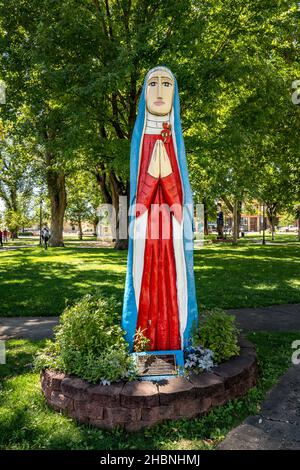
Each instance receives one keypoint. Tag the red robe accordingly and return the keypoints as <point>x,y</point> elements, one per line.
<point>158,313</point>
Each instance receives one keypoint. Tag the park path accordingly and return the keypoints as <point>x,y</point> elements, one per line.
<point>68,245</point>
<point>275,318</point>
<point>27,327</point>
<point>16,247</point>
<point>277,426</point>
<point>284,317</point>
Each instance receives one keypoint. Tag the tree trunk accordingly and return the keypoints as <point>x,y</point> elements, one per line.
<point>111,191</point>
<point>80,234</point>
<point>298,221</point>
<point>235,222</point>
<point>271,214</point>
<point>236,210</point>
<point>205,217</point>
<point>116,191</point>
<point>102,183</point>
<point>58,201</point>
<point>206,232</point>
<point>239,217</point>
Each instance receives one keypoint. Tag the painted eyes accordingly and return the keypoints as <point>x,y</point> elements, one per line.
<point>166,84</point>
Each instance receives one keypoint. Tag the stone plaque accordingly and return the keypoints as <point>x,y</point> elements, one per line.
<point>156,364</point>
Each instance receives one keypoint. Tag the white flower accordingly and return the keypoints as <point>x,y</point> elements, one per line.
<point>199,360</point>
<point>104,382</point>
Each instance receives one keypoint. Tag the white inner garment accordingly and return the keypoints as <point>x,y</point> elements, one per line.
<point>140,231</point>
<point>154,126</point>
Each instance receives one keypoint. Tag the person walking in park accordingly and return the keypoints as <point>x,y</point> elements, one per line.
<point>5,235</point>
<point>45,237</point>
<point>1,238</point>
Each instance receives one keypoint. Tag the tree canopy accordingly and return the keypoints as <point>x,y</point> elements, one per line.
<point>73,71</point>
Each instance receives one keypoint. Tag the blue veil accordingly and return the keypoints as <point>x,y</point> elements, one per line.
<point>130,312</point>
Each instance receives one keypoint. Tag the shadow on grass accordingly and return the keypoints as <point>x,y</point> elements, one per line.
<point>19,358</point>
<point>39,283</point>
<point>247,276</point>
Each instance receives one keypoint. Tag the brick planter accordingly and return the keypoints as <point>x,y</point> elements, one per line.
<point>139,404</point>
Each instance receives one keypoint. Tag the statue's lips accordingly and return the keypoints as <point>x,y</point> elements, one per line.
<point>159,103</point>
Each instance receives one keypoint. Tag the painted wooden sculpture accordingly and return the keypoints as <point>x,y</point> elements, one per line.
<point>159,295</point>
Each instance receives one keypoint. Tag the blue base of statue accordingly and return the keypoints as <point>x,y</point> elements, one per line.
<point>179,362</point>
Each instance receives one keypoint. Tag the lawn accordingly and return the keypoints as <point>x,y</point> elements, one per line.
<point>35,240</point>
<point>26,422</point>
<point>280,237</point>
<point>34,282</point>
<point>256,237</point>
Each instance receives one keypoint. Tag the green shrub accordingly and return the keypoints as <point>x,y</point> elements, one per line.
<point>25,234</point>
<point>89,342</point>
<point>48,357</point>
<point>219,333</point>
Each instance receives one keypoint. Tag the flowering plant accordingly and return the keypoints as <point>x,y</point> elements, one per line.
<point>141,342</point>
<point>89,343</point>
<point>198,359</point>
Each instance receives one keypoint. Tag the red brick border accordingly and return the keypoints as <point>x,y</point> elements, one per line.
<point>136,405</point>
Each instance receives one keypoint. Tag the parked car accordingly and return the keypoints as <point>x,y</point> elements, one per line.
<point>292,228</point>
<point>288,228</point>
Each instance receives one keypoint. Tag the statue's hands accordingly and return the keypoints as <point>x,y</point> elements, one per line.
<point>165,164</point>
<point>160,165</point>
<point>154,165</point>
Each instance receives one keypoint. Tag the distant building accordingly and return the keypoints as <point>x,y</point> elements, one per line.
<point>87,227</point>
<point>249,223</point>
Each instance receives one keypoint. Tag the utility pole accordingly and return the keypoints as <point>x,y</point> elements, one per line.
<point>264,235</point>
<point>235,222</point>
<point>41,220</point>
<point>2,101</point>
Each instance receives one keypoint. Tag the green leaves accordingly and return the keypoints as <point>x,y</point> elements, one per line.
<point>220,334</point>
<point>74,72</point>
<point>89,342</point>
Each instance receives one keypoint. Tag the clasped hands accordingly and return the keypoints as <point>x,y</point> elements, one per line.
<point>160,165</point>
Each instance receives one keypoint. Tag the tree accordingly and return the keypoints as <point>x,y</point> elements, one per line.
<point>14,220</point>
<point>82,96</point>
<point>248,123</point>
<point>15,185</point>
<point>83,200</point>
<point>33,106</point>
<point>233,59</point>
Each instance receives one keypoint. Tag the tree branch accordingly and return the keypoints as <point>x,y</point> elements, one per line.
<point>99,12</point>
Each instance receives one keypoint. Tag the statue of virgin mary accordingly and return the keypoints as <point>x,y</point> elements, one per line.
<point>159,299</point>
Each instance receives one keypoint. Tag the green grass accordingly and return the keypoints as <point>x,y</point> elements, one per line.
<point>256,237</point>
<point>280,237</point>
<point>26,422</point>
<point>35,240</point>
<point>21,242</point>
<point>34,282</point>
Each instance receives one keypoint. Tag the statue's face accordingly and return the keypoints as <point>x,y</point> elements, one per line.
<point>160,89</point>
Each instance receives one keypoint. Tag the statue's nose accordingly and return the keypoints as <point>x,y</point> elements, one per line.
<point>159,91</point>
